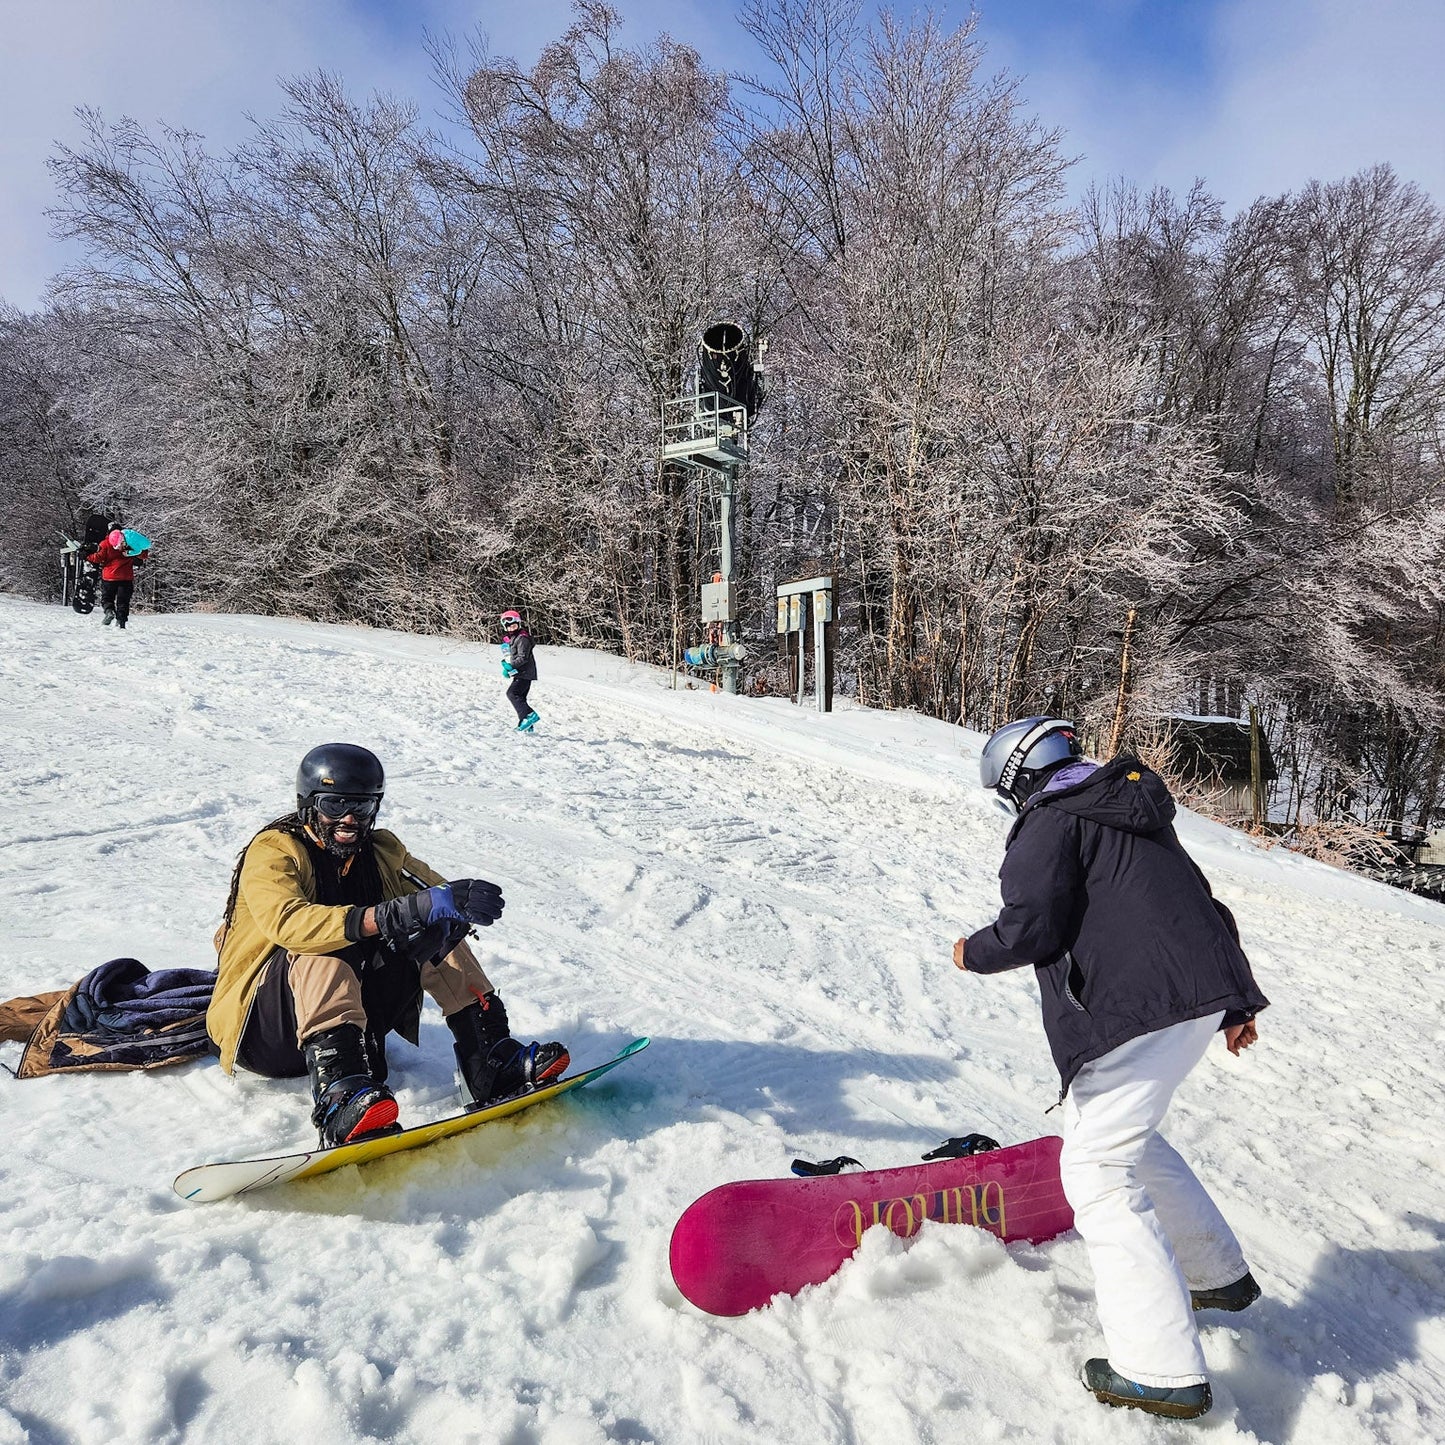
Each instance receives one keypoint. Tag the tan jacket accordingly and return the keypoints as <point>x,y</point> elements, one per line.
<point>275,907</point>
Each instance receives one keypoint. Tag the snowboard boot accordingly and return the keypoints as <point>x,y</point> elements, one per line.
<point>529,722</point>
<point>376,1066</point>
<point>1182,1402</point>
<point>1232,1297</point>
<point>492,1065</point>
<point>350,1104</point>
<point>108,618</point>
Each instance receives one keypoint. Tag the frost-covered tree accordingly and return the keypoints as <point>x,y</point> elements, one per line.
<point>605,182</point>
<point>1116,460</point>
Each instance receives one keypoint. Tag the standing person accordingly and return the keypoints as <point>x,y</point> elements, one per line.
<point>1139,966</point>
<point>332,932</point>
<point>117,577</point>
<point>520,665</point>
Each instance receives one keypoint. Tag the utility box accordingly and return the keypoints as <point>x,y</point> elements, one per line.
<point>719,601</point>
<point>790,614</point>
<point>793,609</point>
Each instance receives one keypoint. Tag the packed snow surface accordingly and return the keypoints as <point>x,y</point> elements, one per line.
<point>772,895</point>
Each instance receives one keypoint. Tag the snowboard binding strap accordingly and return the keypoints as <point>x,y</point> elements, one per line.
<point>824,1166</point>
<point>959,1147</point>
<point>962,1146</point>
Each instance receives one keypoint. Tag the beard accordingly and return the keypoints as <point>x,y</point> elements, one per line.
<point>347,846</point>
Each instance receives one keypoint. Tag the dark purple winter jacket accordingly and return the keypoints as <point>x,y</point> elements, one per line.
<point>520,647</point>
<point>1101,898</point>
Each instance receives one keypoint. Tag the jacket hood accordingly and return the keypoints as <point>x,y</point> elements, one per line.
<point>1123,794</point>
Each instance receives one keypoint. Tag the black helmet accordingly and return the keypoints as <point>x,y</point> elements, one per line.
<point>339,768</point>
<point>1020,755</point>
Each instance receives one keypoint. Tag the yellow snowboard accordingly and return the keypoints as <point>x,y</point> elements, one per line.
<point>207,1182</point>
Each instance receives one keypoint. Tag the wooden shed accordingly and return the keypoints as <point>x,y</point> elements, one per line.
<point>1213,753</point>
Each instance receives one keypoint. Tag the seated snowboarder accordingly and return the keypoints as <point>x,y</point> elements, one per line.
<point>332,931</point>
<point>1139,966</point>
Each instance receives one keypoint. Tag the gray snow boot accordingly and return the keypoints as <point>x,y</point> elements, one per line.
<point>1232,1297</point>
<point>1183,1402</point>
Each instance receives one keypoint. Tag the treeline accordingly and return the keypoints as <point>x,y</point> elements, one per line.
<point>1114,460</point>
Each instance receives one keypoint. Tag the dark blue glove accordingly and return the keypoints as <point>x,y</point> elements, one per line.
<point>400,921</point>
<point>477,900</point>
<point>465,901</point>
<point>426,925</point>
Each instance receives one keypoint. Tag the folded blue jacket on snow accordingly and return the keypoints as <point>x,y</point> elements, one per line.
<point>123,997</point>
<point>119,1016</point>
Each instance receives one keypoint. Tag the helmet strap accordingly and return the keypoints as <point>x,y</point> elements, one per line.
<point>1015,759</point>
<point>323,833</point>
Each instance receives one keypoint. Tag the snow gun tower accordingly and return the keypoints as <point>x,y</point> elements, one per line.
<point>708,432</point>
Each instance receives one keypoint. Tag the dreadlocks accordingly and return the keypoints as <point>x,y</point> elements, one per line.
<point>290,823</point>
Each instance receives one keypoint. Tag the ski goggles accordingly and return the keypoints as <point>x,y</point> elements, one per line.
<point>337,805</point>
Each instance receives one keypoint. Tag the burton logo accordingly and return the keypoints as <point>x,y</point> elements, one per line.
<point>979,1204</point>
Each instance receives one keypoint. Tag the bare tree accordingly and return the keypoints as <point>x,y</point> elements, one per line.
<point>1370,257</point>
<point>917,186</point>
<point>620,220</point>
<point>257,324</point>
<point>46,457</point>
<point>1111,462</point>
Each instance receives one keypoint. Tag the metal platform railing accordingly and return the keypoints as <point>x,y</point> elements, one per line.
<point>708,427</point>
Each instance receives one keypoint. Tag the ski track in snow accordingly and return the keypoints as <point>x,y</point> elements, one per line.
<point>772,896</point>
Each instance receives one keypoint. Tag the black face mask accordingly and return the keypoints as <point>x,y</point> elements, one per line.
<point>1031,780</point>
<point>1025,786</point>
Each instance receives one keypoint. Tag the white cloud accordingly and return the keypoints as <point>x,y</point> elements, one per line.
<point>200,66</point>
<point>1288,89</point>
<point>1319,89</point>
<point>203,64</point>
<point>1283,91</point>
<point>1115,120</point>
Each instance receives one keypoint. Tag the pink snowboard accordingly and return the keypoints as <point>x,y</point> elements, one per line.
<point>741,1244</point>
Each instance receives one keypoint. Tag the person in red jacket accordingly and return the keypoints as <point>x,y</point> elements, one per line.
<point>117,576</point>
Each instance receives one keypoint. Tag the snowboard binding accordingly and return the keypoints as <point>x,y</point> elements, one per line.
<point>961,1146</point>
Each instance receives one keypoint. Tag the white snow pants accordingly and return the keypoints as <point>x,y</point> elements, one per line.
<point>1151,1230</point>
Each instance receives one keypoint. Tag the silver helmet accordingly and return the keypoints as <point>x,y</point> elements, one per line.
<point>1015,759</point>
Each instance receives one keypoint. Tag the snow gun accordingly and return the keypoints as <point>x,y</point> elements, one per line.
<point>714,654</point>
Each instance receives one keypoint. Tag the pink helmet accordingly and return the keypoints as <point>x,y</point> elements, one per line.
<point>507,617</point>
<point>116,538</point>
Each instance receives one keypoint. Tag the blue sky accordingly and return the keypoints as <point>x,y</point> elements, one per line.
<point>1254,96</point>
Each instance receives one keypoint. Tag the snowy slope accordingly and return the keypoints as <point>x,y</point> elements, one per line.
<point>772,896</point>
